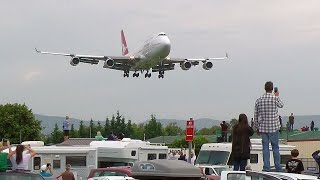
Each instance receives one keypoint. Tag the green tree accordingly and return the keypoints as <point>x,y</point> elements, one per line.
<point>112,124</point>
<point>82,130</point>
<point>106,127</point>
<point>198,141</point>
<point>16,118</point>
<point>153,128</point>
<point>56,135</point>
<point>117,129</point>
<point>73,132</point>
<point>99,127</point>
<point>137,131</point>
<point>172,130</point>
<point>129,130</point>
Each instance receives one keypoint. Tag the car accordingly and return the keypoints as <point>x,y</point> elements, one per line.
<point>249,175</point>
<point>110,173</point>
<point>11,175</point>
<point>213,169</point>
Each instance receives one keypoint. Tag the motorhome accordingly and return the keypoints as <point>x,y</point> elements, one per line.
<point>219,154</point>
<point>96,154</point>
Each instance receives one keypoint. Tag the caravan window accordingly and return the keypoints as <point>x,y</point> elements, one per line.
<point>56,164</point>
<point>36,163</point>
<point>213,157</point>
<point>162,156</point>
<point>152,156</point>
<point>133,153</point>
<point>76,160</point>
<point>253,158</point>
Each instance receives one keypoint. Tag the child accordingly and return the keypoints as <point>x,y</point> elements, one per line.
<point>294,165</point>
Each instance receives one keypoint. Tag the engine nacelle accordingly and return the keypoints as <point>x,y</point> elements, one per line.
<point>74,61</point>
<point>207,65</point>
<point>109,63</point>
<point>185,65</point>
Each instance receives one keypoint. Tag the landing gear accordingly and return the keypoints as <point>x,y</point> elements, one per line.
<point>147,75</point>
<point>135,74</point>
<point>126,73</point>
<point>161,74</point>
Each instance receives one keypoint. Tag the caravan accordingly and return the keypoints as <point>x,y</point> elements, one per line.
<point>95,154</point>
<point>219,154</point>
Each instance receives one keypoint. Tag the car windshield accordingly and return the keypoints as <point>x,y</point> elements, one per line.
<point>213,157</point>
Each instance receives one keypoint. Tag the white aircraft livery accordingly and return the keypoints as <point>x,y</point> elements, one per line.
<point>152,56</point>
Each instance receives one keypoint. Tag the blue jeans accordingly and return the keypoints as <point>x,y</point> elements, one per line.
<point>239,165</point>
<point>274,139</point>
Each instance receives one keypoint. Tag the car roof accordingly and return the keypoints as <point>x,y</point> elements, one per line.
<point>122,169</point>
<point>20,175</point>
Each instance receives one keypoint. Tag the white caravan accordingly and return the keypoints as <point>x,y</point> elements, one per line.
<point>219,154</point>
<point>98,154</point>
<point>153,55</point>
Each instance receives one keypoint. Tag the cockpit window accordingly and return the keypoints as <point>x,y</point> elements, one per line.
<point>161,34</point>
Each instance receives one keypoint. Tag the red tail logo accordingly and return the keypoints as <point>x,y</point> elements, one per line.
<point>125,50</point>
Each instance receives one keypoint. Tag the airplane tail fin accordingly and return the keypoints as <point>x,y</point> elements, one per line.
<point>125,50</point>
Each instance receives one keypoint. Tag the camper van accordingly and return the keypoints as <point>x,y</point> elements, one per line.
<point>219,154</point>
<point>96,154</point>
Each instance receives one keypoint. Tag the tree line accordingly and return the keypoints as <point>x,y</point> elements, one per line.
<point>17,122</point>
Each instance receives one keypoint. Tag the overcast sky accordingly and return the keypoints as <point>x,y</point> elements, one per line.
<point>266,40</point>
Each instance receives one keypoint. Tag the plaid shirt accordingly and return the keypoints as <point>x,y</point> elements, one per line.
<point>266,113</point>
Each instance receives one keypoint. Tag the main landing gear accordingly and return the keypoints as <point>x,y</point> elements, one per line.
<point>147,75</point>
<point>135,74</point>
<point>126,73</point>
<point>161,74</point>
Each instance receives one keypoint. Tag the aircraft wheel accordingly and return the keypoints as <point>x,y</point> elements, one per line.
<point>137,75</point>
<point>149,75</point>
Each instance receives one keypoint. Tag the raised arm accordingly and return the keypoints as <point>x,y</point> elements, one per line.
<point>31,151</point>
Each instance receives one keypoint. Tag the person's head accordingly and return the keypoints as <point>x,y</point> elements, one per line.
<point>111,132</point>
<point>291,114</point>
<point>68,167</point>
<point>243,119</point>
<point>98,133</point>
<point>268,86</point>
<point>43,168</point>
<point>19,152</point>
<point>295,153</point>
<point>67,117</point>
<point>48,165</point>
<point>223,122</point>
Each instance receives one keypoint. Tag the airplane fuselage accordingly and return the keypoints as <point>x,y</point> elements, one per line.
<point>154,50</point>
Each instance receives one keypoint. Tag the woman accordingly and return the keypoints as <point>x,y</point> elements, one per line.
<point>241,143</point>
<point>19,159</point>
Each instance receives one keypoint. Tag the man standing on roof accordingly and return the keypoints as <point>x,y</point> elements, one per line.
<point>291,121</point>
<point>66,128</point>
<point>267,124</point>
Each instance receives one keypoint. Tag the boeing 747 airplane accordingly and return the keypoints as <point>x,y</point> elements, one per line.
<point>152,56</point>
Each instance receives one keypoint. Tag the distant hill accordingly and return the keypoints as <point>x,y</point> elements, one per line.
<point>48,122</point>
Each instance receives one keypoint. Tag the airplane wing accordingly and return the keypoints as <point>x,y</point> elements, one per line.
<point>112,62</point>
<point>195,60</point>
<point>186,63</point>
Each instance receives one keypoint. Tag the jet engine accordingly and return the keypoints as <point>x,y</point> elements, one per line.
<point>207,65</point>
<point>109,63</point>
<point>74,61</point>
<point>185,65</point>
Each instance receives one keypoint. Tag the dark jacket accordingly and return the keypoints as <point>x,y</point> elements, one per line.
<point>241,142</point>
